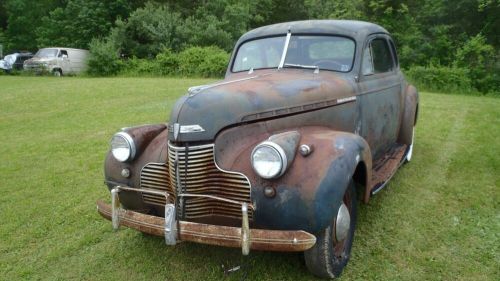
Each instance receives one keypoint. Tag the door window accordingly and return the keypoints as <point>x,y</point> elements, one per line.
<point>377,57</point>
<point>63,53</point>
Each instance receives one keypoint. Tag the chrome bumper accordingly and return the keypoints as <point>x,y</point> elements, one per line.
<point>173,230</point>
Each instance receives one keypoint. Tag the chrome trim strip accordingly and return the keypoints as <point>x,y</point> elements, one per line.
<point>196,89</point>
<point>215,198</point>
<point>144,190</point>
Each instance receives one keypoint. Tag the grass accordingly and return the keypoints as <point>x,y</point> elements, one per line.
<point>438,219</point>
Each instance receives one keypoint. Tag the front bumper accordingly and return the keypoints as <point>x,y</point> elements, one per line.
<point>173,231</point>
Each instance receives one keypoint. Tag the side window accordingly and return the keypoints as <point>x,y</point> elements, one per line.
<point>62,53</point>
<point>367,61</point>
<point>377,57</point>
<point>382,59</point>
<point>393,49</point>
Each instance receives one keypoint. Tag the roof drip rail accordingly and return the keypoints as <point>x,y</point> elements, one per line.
<point>285,49</point>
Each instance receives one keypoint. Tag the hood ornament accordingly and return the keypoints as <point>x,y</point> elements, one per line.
<point>176,130</point>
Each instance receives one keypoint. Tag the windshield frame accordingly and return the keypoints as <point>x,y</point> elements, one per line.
<point>233,59</point>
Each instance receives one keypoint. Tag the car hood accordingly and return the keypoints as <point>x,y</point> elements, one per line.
<point>205,110</point>
<point>38,60</point>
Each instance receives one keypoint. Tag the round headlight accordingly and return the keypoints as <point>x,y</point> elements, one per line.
<point>269,160</point>
<point>122,147</point>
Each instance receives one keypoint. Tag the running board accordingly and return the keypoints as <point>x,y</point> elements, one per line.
<point>385,168</point>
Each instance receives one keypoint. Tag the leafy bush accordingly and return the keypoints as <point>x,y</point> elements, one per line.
<point>203,61</point>
<point>167,62</point>
<point>440,78</point>
<point>104,58</point>
<point>480,59</point>
<point>194,61</point>
<point>140,67</point>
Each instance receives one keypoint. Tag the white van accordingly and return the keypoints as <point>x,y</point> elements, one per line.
<point>58,61</point>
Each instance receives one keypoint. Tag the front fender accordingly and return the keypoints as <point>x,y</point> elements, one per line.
<point>151,143</point>
<point>309,193</point>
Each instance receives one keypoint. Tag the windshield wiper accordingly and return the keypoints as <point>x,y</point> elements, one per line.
<point>315,67</point>
<point>285,48</point>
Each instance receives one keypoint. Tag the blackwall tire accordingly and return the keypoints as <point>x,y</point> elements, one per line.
<point>57,72</point>
<point>327,258</point>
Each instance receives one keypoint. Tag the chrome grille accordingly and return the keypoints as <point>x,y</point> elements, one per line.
<point>156,176</point>
<point>198,174</point>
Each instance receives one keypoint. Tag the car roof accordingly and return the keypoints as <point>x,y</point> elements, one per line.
<point>351,28</point>
<point>64,48</point>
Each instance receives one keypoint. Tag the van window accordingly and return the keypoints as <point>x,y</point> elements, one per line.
<point>63,52</point>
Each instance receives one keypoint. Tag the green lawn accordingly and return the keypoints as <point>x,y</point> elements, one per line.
<point>438,219</point>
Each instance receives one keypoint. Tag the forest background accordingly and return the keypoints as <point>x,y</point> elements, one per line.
<point>443,45</point>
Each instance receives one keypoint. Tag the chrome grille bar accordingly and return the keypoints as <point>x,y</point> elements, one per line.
<point>205,190</point>
<point>200,176</point>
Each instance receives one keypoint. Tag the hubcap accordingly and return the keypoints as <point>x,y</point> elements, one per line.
<point>342,223</point>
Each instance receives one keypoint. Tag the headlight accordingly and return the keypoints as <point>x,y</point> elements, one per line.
<point>122,147</point>
<point>269,160</point>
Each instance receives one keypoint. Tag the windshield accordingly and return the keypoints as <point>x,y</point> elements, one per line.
<point>324,52</point>
<point>46,53</point>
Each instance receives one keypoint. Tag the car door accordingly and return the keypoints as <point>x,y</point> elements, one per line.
<point>380,95</point>
<point>65,61</point>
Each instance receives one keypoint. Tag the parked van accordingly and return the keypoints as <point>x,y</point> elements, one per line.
<point>58,61</point>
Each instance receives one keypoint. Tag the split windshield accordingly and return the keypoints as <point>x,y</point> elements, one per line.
<point>306,51</point>
<point>46,53</point>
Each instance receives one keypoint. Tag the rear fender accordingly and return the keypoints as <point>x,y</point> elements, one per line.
<point>409,115</point>
<point>309,193</point>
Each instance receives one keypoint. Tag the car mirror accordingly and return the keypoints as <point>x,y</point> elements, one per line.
<point>64,56</point>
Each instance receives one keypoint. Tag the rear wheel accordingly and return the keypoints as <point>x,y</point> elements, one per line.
<point>57,72</point>
<point>328,257</point>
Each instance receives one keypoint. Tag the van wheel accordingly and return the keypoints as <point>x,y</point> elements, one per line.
<point>328,257</point>
<point>57,72</point>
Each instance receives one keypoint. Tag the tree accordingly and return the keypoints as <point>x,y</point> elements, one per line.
<point>342,9</point>
<point>23,16</point>
<point>79,21</point>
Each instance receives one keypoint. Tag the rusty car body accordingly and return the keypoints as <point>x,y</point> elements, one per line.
<point>311,116</point>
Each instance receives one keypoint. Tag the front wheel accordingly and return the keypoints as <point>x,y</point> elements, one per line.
<point>57,72</point>
<point>328,257</point>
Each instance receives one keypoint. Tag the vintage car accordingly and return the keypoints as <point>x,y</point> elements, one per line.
<point>312,117</point>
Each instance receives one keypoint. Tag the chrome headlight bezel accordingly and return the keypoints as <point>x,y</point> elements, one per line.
<point>130,147</point>
<point>281,155</point>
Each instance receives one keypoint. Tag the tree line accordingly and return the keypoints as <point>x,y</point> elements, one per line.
<point>430,35</point>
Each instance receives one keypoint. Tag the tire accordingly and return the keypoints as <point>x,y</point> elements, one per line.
<point>57,72</point>
<point>327,258</point>
<point>409,152</point>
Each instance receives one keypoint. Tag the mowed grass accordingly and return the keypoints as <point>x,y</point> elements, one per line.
<point>438,219</point>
